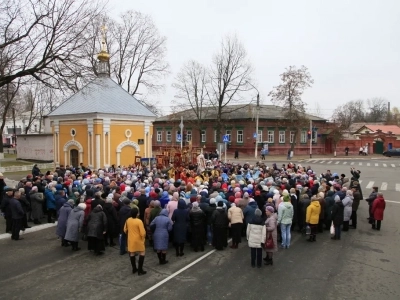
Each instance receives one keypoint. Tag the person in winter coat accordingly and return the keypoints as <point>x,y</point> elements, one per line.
<point>198,221</point>
<point>161,226</point>
<point>209,213</point>
<point>235,216</point>
<point>17,216</point>
<point>75,225</point>
<point>370,201</point>
<point>164,199</point>
<point>62,221</point>
<point>96,229</point>
<point>124,213</point>
<point>329,202</point>
<point>249,211</point>
<point>303,205</point>
<point>378,207</point>
<point>60,199</point>
<point>356,203</point>
<point>155,211</point>
<point>285,217</point>
<point>348,208</point>
<point>173,204</point>
<point>294,201</point>
<point>136,235</point>
<point>147,214</point>
<point>37,200</point>
<point>180,217</point>
<point>142,203</point>
<point>255,238</point>
<point>337,215</point>
<point>219,225</point>
<point>321,199</point>
<point>112,221</point>
<point>270,228</point>
<point>312,217</point>
<point>51,205</point>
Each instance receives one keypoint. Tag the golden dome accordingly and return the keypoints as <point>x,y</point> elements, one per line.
<point>103,56</point>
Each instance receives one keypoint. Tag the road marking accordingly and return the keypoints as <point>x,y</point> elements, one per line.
<point>385,165</point>
<point>368,164</point>
<point>359,181</point>
<point>322,162</point>
<point>360,164</point>
<point>384,186</point>
<point>174,275</point>
<point>393,165</point>
<point>376,165</point>
<point>345,162</point>
<point>370,185</point>
<point>336,163</point>
<point>398,187</point>
<point>329,162</point>
<point>397,202</point>
<point>352,163</point>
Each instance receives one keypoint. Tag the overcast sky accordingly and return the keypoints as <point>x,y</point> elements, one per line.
<point>351,47</point>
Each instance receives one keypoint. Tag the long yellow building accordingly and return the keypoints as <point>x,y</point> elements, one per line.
<point>101,125</point>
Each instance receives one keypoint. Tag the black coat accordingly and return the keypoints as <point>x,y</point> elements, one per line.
<point>124,214</point>
<point>112,219</point>
<point>97,223</point>
<point>209,213</point>
<point>142,205</point>
<point>17,211</point>
<point>5,207</point>
<point>180,217</point>
<point>338,213</point>
<point>220,219</point>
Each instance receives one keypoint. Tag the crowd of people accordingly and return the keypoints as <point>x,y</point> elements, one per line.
<point>136,207</point>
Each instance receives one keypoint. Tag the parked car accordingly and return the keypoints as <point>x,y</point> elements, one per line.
<point>392,152</point>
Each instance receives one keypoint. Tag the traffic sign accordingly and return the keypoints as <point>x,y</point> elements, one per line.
<point>254,135</point>
<point>178,137</point>
<point>225,138</point>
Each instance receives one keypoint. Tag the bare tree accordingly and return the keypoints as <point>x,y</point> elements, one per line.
<point>288,95</point>
<point>191,85</point>
<point>230,74</point>
<point>39,39</point>
<point>377,110</point>
<point>351,112</point>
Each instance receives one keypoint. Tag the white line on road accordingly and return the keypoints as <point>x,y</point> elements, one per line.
<point>173,275</point>
<point>397,202</point>
<point>336,163</point>
<point>29,230</point>
<point>329,162</point>
<point>393,165</point>
<point>398,187</point>
<point>360,164</point>
<point>345,162</point>
<point>370,185</point>
<point>368,164</point>
<point>322,162</point>
<point>352,163</point>
<point>385,165</point>
<point>359,181</point>
<point>376,165</point>
<point>384,186</point>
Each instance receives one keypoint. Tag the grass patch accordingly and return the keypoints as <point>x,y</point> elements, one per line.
<point>8,155</point>
<point>10,163</point>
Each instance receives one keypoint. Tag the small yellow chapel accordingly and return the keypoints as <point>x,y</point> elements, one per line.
<point>101,125</point>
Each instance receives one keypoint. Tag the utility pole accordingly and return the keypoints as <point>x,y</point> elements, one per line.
<point>257,116</point>
<point>311,136</point>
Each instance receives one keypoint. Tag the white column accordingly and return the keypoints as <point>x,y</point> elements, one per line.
<point>88,148</point>
<point>118,158</point>
<point>147,143</point>
<point>90,142</point>
<point>109,150</point>
<point>104,150</point>
<point>106,141</point>
<point>57,142</point>
<point>65,158</point>
<point>98,151</point>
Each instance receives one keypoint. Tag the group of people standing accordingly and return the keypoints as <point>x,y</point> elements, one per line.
<point>156,207</point>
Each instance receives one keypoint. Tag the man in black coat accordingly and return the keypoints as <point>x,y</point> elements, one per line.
<point>142,203</point>
<point>17,214</point>
<point>6,209</point>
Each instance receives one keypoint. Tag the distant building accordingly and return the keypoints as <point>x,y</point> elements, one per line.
<point>240,126</point>
<point>21,122</point>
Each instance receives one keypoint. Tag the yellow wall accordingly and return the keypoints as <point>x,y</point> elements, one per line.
<point>128,156</point>
<point>118,136</point>
<point>65,136</point>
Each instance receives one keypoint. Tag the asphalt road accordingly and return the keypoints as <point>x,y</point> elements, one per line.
<point>364,265</point>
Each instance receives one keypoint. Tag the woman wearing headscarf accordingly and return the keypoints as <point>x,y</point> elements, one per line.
<point>164,199</point>
<point>173,204</point>
<point>312,217</point>
<point>198,221</point>
<point>37,200</point>
<point>219,225</point>
<point>136,235</point>
<point>75,225</point>
<point>62,221</point>
<point>161,226</point>
<point>147,214</point>
<point>255,238</point>
<point>348,209</point>
<point>235,216</point>
<point>123,215</point>
<point>270,229</point>
<point>337,216</point>
<point>180,217</point>
<point>112,221</point>
<point>97,227</point>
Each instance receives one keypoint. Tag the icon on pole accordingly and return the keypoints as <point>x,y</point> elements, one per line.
<point>225,138</point>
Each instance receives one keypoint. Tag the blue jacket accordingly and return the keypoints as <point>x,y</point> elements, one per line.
<point>164,199</point>
<point>180,217</point>
<point>60,201</point>
<point>50,200</point>
<point>163,225</point>
<point>62,220</point>
<point>249,211</point>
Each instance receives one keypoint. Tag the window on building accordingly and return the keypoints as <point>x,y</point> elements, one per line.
<point>159,136</point>
<point>270,136</point>
<point>203,136</point>
<point>291,138</point>
<point>303,137</point>
<point>259,136</point>
<point>239,137</point>
<point>228,133</point>
<point>189,136</point>
<point>168,136</point>
<point>281,136</point>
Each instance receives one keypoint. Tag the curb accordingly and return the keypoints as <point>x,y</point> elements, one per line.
<point>29,230</point>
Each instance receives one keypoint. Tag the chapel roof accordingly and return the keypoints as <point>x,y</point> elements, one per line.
<point>102,95</point>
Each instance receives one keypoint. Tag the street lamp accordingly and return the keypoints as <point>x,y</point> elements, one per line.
<point>257,116</point>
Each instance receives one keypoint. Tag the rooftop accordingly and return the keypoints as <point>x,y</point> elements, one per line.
<point>102,95</point>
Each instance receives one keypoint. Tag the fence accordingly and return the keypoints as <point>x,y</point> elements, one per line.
<point>27,168</point>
